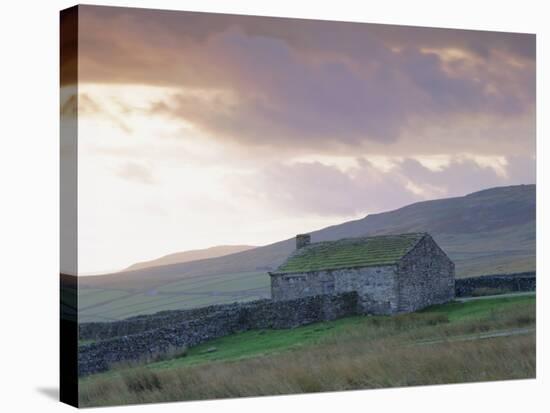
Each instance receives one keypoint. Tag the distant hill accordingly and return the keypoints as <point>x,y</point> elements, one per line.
<point>486,232</point>
<point>193,255</point>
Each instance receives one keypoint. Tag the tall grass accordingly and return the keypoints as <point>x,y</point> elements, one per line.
<point>378,352</point>
<point>332,367</point>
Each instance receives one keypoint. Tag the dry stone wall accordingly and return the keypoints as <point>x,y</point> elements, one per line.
<point>141,323</point>
<point>178,330</point>
<point>518,282</point>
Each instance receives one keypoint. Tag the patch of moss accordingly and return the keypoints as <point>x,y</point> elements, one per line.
<point>351,252</point>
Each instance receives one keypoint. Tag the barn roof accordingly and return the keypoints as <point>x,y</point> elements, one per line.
<point>350,253</point>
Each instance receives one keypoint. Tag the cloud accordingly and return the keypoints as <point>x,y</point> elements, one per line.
<point>268,82</point>
<point>283,99</point>
<point>136,172</point>
<point>522,169</point>
<point>114,40</point>
<point>324,190</point>
<point>306,188</point>
<point>459,177</point>
<point>280,99</point>
<point>74,105</point>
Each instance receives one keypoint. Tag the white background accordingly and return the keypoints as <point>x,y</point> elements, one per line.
<point>29,206</point>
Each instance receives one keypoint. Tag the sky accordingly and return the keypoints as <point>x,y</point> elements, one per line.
<point>199,129</point>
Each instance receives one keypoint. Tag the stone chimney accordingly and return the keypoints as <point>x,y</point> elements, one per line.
<point>302,240</point>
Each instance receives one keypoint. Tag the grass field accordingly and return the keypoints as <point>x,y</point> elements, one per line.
<point>441,344</point>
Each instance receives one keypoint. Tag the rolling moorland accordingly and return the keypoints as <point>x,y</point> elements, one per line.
<point>477,340</point>
<point>486,232</point>
<point>193,255</point>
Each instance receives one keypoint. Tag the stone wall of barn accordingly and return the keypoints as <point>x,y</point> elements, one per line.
<point>307,284</point>
<point>375,286</point>
<point>426,276</point>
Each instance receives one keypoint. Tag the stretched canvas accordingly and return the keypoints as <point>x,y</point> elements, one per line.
<point>261,206</point>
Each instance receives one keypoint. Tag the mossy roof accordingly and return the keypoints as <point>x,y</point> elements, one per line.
<point>350,253</point>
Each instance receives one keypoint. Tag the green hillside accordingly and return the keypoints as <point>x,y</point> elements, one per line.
<point>105,304</point>
<point>487,232</point>
<point>193,255</point>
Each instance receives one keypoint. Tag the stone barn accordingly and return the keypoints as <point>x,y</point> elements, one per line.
<point>390,273</point>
